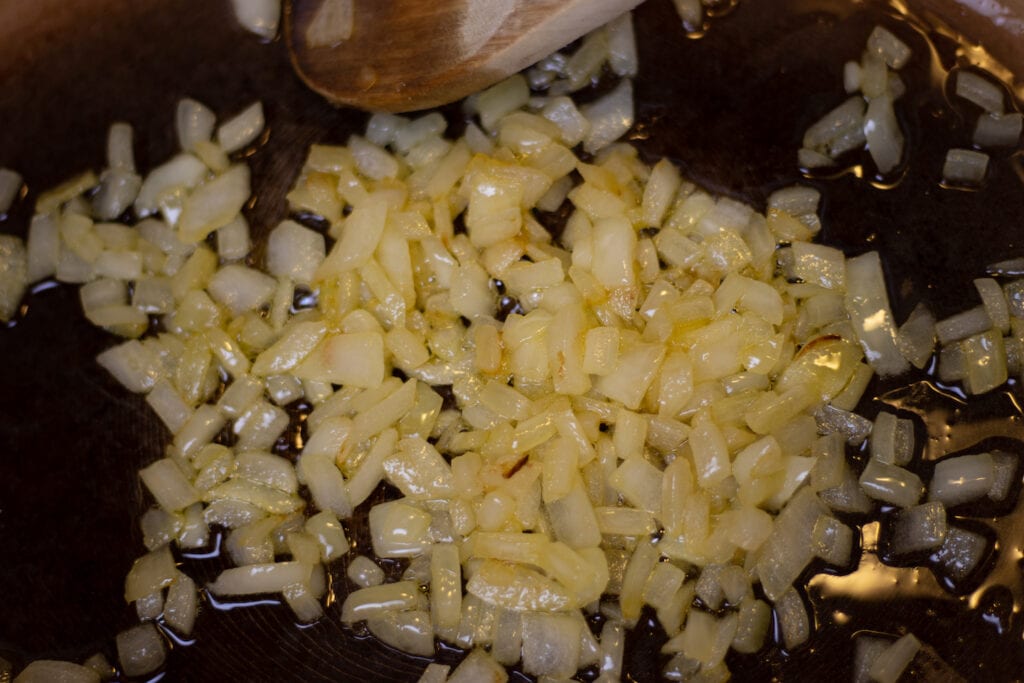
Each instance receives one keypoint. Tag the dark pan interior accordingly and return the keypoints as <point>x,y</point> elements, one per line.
<point>730,108</point>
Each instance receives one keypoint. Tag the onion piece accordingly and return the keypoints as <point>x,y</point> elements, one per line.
<point>150,574</point>
<point>706,637</point>
<point>622,56</point>
<point>848,116</point>
<point>868,304</point>
<point>962,479</point>
<point>1004,474</point>
<point>172,179</point>
<point>892,439</point>
<point>258,16</point>
<point>43,248</point>
<point>832,541</point>
<point>918,528</point>
<point>892,49</point>
<point>13,275</point>
<point>965,166</point>
<point>916,337</point>
<point>242,129</point>
<point>961,554</point>
<point>375,601</point>
<point>140,649</point>
<point>853,427</point>
<point>793,619</point>
<point>182,605</point>
<point>891,484</point>
<point>610,117</point>
<point>985,358</point>
<point>332,24</point>
<point>214,204</point>
<point>10,187</point>
<point>889,664</point>
<point>963,325</point>
<point>194,123</point>
<point>364,572</point>
<point>882,133</point>
<point>998,130</point>
<point>295,252</point>
<point>994,300</point>
<point>691,12</point>
<point>478,667</point>
<point>551,644</point>
<point>868,648</point>
<point>168,485</point>
<point>260,578</point>
<point>325,528</point>
<point>409,631</point>
<point>52,671</point>
<point>979,90</point>
<point>754,621</point>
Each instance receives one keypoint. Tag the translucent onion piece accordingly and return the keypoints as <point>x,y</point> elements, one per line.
<point>194,123</point>
<point>883,135</point>
<point>965,166</point>
<point>242,129</point>
<point>890,663</point>
<point>258,16</point>
<point>998,130</point>
<point>917,528</point>
<point>979,90</point>
<point>961,553</point>
<point>332,23</point>
<point>10,187</point>
<point>478,667</point>
<point>622,57</point>
<point>13,275</point>
<point>962,479</point>
<point>892,49</point>
<point>141,650</point>
<point>610,117</point>
<point>54,671</point>
<point>868,304</point>
<point>891,484</point>
<point>794,621</point>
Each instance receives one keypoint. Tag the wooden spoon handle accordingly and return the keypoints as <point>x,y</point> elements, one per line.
<point>413,54</point>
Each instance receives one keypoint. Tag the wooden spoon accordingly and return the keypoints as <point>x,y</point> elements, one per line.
<point>404,55</point>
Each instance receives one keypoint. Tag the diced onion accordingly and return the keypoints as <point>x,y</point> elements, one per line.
<point>610,117</point>
<point>141,650</point>
<point>882,133</point>
<point>961,553</point>
<point>965,166</point>
<point>54,671</point>
<point>980,91</point>
<point>962,479</point>
<point>868,304</point>
<point>793,619</point>
<point>10,186</point>
<point>13,275</point>
<point>258,16</point>
<point>892,49</point>
<point>891,484</point>
<point>998,130</point>
<point>332,24</point>
<point>890,662</point>
<point>242,129</point>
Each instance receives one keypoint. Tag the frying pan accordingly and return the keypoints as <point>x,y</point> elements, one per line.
<point>729,107</point>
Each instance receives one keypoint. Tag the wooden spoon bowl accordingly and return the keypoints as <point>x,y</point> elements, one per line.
<point>405,55</point>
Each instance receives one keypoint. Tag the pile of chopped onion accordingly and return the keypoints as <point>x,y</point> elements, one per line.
<point>651,408</point>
